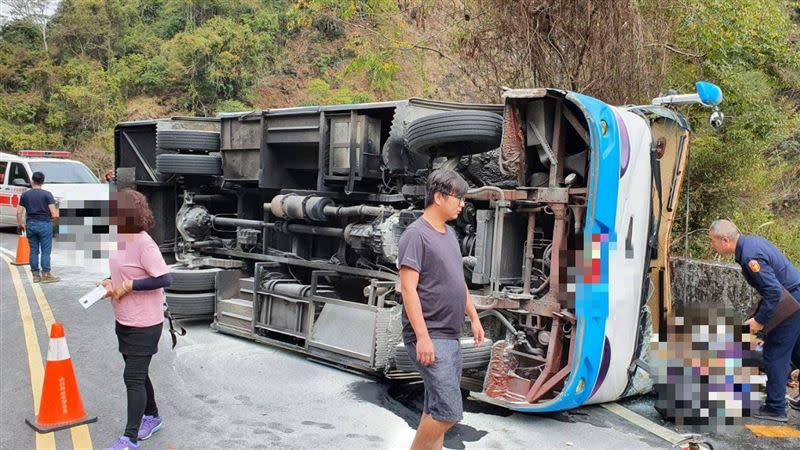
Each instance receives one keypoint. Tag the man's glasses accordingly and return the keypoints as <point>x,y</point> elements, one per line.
<point>460,198</point>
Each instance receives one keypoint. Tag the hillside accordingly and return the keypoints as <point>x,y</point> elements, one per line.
<point>66,81</point>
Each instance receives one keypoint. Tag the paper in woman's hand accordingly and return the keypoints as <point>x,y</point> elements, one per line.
<point>92,296</point>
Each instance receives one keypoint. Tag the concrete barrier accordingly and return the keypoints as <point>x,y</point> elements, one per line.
<point>711,283</point>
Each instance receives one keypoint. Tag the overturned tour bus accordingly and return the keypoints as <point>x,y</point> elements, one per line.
<point>283,226</point>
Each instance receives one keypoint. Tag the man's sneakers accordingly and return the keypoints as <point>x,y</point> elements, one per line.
<point>37,277</point>
<point>765,414</point>
<point>48,277</point>
<point>795,403</point>
<point>150,424</point>
<point>123,443</point>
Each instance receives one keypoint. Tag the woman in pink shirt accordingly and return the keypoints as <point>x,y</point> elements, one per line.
<point>138,276</point>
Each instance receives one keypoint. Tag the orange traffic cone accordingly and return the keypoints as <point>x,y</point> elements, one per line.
<point>23,251</point>
<point>61,405</point>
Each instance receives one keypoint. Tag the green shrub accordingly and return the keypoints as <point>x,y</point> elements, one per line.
<point>233,106</point>
<point>321,93</point>
<point>746,50</point>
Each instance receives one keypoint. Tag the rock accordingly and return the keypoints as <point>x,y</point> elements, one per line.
<point>486,167</point>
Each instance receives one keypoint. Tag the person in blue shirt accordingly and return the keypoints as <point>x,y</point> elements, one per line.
<point>39,208</point>
<point>771,273</point>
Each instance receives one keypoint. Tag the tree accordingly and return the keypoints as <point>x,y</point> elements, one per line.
<point>219,60</point>
<point>82,28</point>
<point>34,11</point>
<point>614,51</point>
<point>747,48</point>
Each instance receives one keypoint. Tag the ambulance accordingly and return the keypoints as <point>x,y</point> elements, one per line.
<point>70,181</point>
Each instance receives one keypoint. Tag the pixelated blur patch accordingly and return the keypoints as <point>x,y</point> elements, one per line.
<point>85,230</point>
<point>705,373</point>
<point>754,266</point>
<point>774,431</point>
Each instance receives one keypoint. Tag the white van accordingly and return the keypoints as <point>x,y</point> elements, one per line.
<point>66,179</point>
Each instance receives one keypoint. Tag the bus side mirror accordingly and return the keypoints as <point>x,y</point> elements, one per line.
<point>709,93</point>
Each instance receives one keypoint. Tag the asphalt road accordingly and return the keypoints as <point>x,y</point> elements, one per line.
<point>218,391</point>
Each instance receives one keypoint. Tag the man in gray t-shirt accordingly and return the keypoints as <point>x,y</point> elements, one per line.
<point>435,299</point>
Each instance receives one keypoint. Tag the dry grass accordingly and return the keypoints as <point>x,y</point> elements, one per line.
<point>287,86</point>
<point>98,153</point>
<point>141,108</point>
<point>424,72</point>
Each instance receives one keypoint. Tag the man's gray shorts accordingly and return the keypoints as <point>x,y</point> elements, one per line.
<point>442,380</point>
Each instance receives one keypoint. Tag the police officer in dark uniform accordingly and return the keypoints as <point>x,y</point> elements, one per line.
<point>770,272</point>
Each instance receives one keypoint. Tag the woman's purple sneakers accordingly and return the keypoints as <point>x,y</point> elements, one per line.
<point>123,443</point>
<point>150,424</point>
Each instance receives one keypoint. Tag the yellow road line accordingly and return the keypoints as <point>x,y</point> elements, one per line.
<point>44,307</point>
<point>47,440</point>
<point>774,431</point>
<point>81,438</point>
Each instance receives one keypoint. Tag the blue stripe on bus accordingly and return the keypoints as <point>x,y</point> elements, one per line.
<point>591,300</point>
